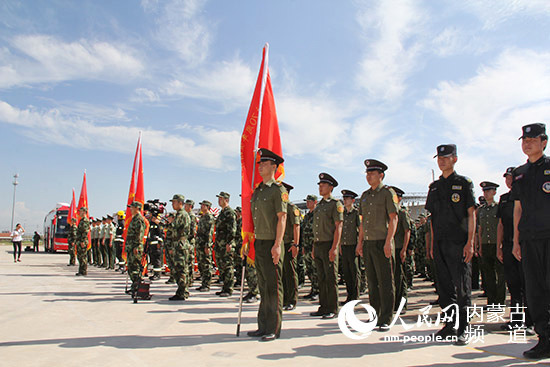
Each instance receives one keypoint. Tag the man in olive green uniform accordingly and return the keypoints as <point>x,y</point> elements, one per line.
<point>401,240</point>
<point>205,230</point>
<point>134,245</point>
<point>327,230</point>
<point>378,208</point>
<point>348,244</point>
<point>189,204</point>
<point>269,207</point>
<point>71,238</point>
<point>493,280</point>
<point>93,235</point>
<point>102,251</point>
<point>179,230</point>
<point>291,240</point>
<point>109,248</point>
<point>226,226</point>
<point>81,242</point>
<point>307,247</point>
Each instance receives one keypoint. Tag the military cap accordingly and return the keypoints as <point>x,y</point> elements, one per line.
<point>374,165</point>
<point>533,130</point>
<point>267,155</point>
<point>238,209</point>
<point>311,197</point>
<point>224,195</point>
<point>325,177</point>
<point>288,187</point>
<point>488,185</point>
<point>446,150</point>
<point>109,216</point>
<point>136,204</point>
<point>179,197</point>
<point>190,202</point>
<point>509,171</point>
<point>205,202</point>
<point>398,191</point>
<point>83,208</point>
<point>349,194</point>
<point>171,214</point>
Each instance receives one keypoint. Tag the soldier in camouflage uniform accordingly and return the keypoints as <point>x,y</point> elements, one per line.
<point>205,230</point>
<point>81,242</point>
<point>409,261</point>
<point>169,248</point>
<point>179,230</point>
<point>420,248</point>
<point>307,247</point>
<point>237,256</point>
<point>226,226</point>
<point>134,245</point>
<point>71,238</point>
<point>189,204</point>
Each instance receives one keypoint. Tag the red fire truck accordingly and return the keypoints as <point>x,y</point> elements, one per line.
<point>56,229</point>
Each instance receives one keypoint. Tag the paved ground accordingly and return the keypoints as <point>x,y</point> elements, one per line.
<point>49,317</point>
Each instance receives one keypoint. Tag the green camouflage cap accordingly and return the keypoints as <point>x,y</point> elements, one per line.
<point>311,197</point>
<point>224,195</point>
<point>206,202</point>
<point>190,202</point>
<point>179,197</point>
<point>136,204</point>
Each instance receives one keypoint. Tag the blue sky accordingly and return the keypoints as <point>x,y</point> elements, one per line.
<point>352,80</point>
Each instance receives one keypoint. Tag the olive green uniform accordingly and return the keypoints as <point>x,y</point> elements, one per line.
<point>267,200</point>
<point>290,276</point>
<point>226,226</point>
<point>205,230</point>
<point>82,245</point>
<point>375,207</point>
<point>326,214</point>
<point>350,260</point>
<point>493,270</point>
<point>404,224</point>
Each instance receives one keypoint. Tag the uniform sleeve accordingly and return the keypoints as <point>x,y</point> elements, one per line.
<point>280,200</point>
<point>470,199</point>
<point>408,221</point>
<point>296,214</point>
<point>515,192</point>
<point>358,220</point>
<point>338,212</point>
<point>429,206</point>
<point>390,201</point>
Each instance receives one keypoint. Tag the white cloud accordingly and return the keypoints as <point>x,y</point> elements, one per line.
<point>390,29</point>
<point>182,29</point>
<point>493,13</point>
<point>144,95</point>
<point>42,58</point>
<point>454,41</point>
<point>216,149</point>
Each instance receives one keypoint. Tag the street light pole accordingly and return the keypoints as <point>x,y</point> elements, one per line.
<point>13,205</point>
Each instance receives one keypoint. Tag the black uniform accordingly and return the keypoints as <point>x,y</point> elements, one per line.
<point>119,243</point>
<point>531,188</point>
<point>155,240</point>
<point>449,200</point>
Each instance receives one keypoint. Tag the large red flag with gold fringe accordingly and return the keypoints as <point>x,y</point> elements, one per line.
<point>261,130</point>
<point>131,194</point>
<point>83,202</point>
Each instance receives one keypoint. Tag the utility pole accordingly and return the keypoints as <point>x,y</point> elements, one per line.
<point>15,183</point>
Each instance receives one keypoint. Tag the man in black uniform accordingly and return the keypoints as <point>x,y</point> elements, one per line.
<point>531,195</point>
<point>155,240</point>
<point>452,205</point>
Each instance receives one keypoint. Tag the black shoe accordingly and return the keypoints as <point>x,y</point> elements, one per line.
<point>204,289</point>
<point>177,297</point>
<point>539,351</point>
<point>329,316</point>
<point>289,307</point>
<point>155,277</point>
<point>446,331</point>
<point>77,274</point>
<point>342,303</point>
<point>315,297</point>
<point>251,299</point>
<point>268,338</point>
<point>383,327</point>
<point>128,291</point>
<point>170,281</point>
<point>225,294</point>
<point>218,293</point>
<point>255,333</point>
<point>434,303</point>
<point>462,339</point>
<point>317,313</point>
<point>308,296</point>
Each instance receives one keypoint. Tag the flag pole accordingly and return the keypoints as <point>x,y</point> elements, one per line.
<point>256,139</point>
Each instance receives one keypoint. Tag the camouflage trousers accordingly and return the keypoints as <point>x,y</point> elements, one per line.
<point>72,256</point>
<point>420,257</point>
<point>134,267</point>
<point>168,253</point>
<point>301,269</point>
<point>82,255</point>
<point>251,280</point>
<point>205,264</point>
<point>409,270</point>
<point>225,262</point>
<point>180,271</point>
<point>362,276</point>
<point>190,262</point>
<point>311,269</point>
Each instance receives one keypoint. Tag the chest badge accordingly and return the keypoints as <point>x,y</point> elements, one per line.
<point>546,187</point>
<point>455,197</point>
<point>457,187</point>
<point>547,172</point>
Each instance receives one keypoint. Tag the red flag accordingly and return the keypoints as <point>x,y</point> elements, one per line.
<point>83,203</point>
<point>72,210</point>
<point>131,194</point>
<point>262,110</point>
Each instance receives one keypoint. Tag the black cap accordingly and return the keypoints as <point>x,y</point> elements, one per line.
<point>398,191</point>
<point>509,171</point>
<point>287,186</point>
<point>268,155</point>
<point>374,165</point>
<point>533,130</point>
<point>488,185</point>
<point>446,150</point>
<point>325,177</point>
<point>349,194</point>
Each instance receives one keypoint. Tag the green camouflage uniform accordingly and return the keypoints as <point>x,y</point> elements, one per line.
<point>168,253</point>
<point>71,238</point>
<point>205,231</point>
<point>191,247</point>
<point>134,248</point>
<point>180,232</point>
<point>226,226</point>
<point>420,250</point>
<point>307,243</point>
<point>237,259</point>
<point>409,260</point>
<point>82,244</point>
